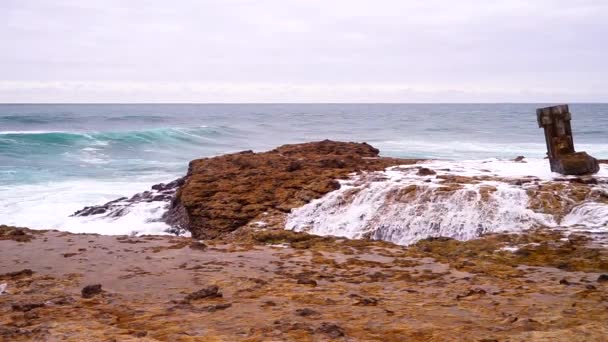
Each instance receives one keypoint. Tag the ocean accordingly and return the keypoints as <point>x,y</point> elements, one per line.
<point>58,158</point>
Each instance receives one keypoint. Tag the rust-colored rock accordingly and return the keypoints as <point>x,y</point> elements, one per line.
<point>224,193</point>
<point>577,163</point>
<point>560,144</point>
<point>207,292</point>
<point>17,234</point>
<point>426,172</point>
<point>366,290</point>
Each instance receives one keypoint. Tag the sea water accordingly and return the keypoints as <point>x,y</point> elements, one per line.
<point>56,159</point>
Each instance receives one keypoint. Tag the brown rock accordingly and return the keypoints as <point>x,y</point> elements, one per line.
<point>224,193</point>
<point>331,330</point>
<point>207,292</point>
<point>198,246</point>
<point>139,334</point>
<point>555,121</point>
<point>471,292</point>
<point>17,274</point>
<point>307,281</point>
<point>578,163</point>
<point>90,291</point>
<point>217,307</point>
<point>17,234</point>
<point>426,172</point>
<point>26,307</point>
<point>306,312</point>
<point>364,301</point>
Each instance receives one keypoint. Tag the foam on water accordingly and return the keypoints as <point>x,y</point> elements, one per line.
<point>400,206</point>
<point>437,149</point>
<point>589,217</point>
<point>49,206</point>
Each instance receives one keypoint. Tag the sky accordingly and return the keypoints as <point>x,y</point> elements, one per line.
<point>303,51</point>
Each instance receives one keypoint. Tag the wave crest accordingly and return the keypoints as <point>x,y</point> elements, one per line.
<point>156,135</point>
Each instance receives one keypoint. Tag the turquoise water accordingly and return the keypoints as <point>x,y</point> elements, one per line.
<point>56,158</point>
<point>50,142</point>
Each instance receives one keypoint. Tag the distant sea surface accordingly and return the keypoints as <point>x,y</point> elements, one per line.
<point>56,158</point>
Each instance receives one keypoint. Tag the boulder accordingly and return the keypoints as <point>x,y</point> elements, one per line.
<point>221,194</point>
<point>577,163</point>
<point>91,291</point>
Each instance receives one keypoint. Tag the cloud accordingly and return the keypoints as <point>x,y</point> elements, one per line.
<point>193,92</point>
<point>487,50</point>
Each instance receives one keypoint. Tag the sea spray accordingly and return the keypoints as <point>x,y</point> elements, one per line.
<point>51,205</point>
<point>463,200</point>
<point>588,216</point>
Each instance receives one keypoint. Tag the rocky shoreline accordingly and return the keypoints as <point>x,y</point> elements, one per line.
<point>225,196</point>
<point>286,286</point>
<point>221,194</point>
<point>243,277</point>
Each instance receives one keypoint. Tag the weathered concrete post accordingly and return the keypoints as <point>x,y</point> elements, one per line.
<point>560,145</point>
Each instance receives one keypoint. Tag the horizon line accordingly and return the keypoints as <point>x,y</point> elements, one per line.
<point>288,103</point>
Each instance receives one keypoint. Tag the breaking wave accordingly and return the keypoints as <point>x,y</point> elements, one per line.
<point>9,139</point>
<point>50,206</point>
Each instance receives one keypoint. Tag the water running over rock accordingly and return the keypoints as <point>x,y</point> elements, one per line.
<point>460,200</point>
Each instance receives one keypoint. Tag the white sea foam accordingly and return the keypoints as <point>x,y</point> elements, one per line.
<point>49,206</point>
<point>588,216</point>
<point>383,206</point>
<point>30,132</point>
<point>476,149</point>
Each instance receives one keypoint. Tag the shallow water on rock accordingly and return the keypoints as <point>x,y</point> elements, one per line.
<point>461,200</point>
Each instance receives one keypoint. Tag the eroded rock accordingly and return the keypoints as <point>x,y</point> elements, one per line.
<point>212,291</point>
<point>224,193</point>
<point>426,172</point>
<point>121,206</point>
<point>91,291</point>
<point>26,307</point>
<point>17,234</point>
<point>331,330</point>
<point>306,312</point>
<point>563,159</point>
<point>17,274</point>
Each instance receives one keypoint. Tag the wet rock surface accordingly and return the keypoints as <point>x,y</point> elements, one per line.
<point>224,193</point>
<point>365,290</point>
<point>90,291</point>
<point>17,234</point>
<point>423,171</point>
<point>119,207</point>
<point>555,121</point>
<point>263,283</point>
<point>207,292</point>
<point>578,163</point>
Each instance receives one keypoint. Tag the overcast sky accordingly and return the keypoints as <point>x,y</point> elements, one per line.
<point>303,51</point>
